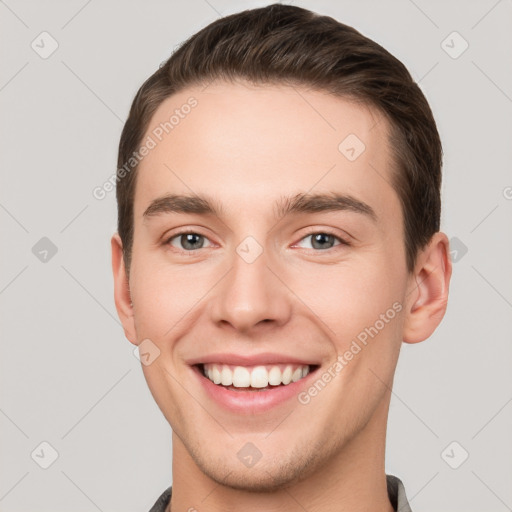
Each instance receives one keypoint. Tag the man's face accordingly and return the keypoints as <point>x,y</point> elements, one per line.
<point>249,287</point>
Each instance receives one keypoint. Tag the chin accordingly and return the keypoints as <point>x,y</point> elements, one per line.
<point>266,476</point>
<point>257,481</point>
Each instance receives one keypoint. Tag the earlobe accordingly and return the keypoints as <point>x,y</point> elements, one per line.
<point>428,291</point>
<point>122,296</point>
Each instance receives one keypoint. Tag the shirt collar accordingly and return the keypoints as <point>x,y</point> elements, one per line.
<point>396,493</point>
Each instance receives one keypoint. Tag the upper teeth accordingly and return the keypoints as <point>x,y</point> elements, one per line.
<point>256,376</point>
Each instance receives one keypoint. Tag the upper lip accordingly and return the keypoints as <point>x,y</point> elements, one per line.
<point>250,360</point>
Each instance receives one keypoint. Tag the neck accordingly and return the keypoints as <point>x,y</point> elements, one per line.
<point>353,479</point>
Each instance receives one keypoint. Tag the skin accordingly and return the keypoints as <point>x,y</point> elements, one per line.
<point>246,146</point>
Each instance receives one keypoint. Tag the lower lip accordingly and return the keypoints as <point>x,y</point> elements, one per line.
<point>251,402</point>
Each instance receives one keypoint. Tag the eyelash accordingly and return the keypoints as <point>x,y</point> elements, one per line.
<point>311,233</point>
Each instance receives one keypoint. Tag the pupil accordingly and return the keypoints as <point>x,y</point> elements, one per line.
<point>190,239</point>
<point>321,238</point>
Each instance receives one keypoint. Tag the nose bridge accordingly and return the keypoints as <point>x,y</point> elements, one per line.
<point>250,293</point>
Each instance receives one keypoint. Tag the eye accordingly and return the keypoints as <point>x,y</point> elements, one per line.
<point>187,241</point>
<point>323,241</point>
<point>191,241</point>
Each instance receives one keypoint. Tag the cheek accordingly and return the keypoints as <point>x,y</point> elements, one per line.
<point>166,296</point>
<point>349,298</point>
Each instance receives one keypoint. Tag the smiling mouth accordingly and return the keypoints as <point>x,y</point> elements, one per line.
<point>255,378</point>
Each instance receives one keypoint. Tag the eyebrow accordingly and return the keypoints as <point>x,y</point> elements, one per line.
<point>299,203</point>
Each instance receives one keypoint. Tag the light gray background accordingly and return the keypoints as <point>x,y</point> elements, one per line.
<point>68,375</point>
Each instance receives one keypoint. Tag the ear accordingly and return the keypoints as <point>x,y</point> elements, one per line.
<point>122,290</point>
<point>428,290</point>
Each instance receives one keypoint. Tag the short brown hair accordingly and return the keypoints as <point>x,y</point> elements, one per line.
<point>290,45</point>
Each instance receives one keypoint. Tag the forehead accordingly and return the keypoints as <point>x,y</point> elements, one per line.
<point>247,144</point>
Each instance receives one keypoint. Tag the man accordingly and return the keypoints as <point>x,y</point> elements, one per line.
<point>278,238</point>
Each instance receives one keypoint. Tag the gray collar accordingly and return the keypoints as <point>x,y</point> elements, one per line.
<point>396,493</point>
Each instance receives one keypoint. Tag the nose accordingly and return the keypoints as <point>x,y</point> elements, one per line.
<point>250,296</point>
